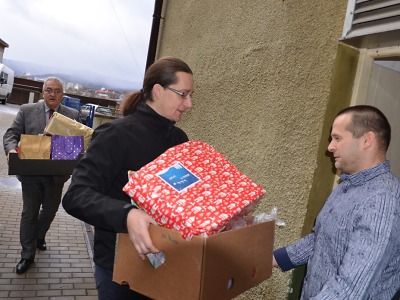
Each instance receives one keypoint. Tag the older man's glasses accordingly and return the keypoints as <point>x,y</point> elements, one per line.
<point>183,94</point>
<point>51,91</point>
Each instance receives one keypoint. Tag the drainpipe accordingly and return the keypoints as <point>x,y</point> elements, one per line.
<point>155,28</point>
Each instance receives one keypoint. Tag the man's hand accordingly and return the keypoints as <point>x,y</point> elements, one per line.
<point>138,229</point>
<point>8,155</point>
<point>274,263</point>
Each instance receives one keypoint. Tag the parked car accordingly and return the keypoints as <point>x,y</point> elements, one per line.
<point>85,113</point>
<point>6,83</point>
<point>98,110</point>
<point>103,110</point>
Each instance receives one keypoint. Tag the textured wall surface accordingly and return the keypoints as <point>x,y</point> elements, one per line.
<point>263,79</point>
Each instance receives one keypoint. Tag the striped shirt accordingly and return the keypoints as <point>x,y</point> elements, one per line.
<point>353,252</point>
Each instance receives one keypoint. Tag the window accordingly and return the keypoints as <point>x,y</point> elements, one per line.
<point>3,78</point>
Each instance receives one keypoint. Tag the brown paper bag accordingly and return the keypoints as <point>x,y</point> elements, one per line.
<point>62,125</point>
<point>34,147</point>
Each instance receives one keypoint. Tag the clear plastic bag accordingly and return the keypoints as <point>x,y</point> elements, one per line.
<point>241,221</point>
<point>264,217</point>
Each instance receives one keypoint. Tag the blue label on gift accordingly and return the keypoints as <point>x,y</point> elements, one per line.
<point>178,177</point>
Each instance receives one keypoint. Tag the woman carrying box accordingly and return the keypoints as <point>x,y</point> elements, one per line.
<point>146,131</point>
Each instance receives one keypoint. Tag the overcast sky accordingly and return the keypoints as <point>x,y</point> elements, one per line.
<point>97,35</point>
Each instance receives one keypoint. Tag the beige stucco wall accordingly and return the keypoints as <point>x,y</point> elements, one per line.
<point>266,80</point>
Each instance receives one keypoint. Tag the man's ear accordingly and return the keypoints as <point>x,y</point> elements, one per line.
<point>369,139</point>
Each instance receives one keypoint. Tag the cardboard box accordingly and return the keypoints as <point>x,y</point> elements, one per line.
<point>220,267</point>
<point>40,167</point>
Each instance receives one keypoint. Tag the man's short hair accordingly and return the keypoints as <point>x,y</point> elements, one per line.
<point>365,118</point>
<point>55,79</point>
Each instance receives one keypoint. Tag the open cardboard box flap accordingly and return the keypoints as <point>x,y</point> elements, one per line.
<point>221,266</point>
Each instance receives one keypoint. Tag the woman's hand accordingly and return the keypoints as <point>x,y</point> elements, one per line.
<point>138,229</point>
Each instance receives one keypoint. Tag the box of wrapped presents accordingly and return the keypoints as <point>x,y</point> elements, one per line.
<point>62,125</point>
<point>220,266</point>
<point>193,189</point>
<point>40,167</point>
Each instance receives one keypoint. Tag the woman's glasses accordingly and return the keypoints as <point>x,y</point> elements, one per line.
<point>183,94</point>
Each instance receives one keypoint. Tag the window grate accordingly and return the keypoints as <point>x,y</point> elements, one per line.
<point>366,17</point>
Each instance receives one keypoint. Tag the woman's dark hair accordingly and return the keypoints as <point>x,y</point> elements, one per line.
<point>366,118</point>
<point>163,72</point>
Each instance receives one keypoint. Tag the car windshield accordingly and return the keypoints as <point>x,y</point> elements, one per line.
<point>86,106</point>
<point>104,110</point>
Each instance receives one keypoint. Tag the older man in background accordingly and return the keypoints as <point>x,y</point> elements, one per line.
<point>37,191</point>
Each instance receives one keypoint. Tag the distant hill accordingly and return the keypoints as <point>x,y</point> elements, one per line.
<point>88,79</point>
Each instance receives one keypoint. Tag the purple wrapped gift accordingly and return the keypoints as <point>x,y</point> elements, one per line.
<point>66,147</point>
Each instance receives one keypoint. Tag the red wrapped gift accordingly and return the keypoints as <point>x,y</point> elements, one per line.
<point>193,189</point>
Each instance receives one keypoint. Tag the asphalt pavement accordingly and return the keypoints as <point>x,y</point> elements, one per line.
<point>65,269</point>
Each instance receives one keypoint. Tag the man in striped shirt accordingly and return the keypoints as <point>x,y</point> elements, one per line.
<point>353,252</point>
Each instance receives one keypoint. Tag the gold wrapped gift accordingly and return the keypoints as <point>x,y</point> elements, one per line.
<point>62,125</point>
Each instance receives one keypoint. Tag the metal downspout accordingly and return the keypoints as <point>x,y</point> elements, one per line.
<point>155,28</point>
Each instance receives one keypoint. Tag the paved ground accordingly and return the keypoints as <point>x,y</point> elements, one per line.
<point>65,269</point>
